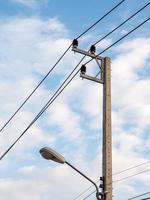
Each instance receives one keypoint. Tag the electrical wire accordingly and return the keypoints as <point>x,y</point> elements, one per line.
<point>33,91</point>
<point>50,102</point>
<point>127,177</point>
<point>66,85</point>
<point>119,39</point>
<point>122,179</point>
<point>133,167</point>
<point>139,195</point>
<point>89,195</point>
<point>138,11</point>
<point>85,192</point>
<point>116,173</point>
<point>101,18</point>
<point>52,99</point>
<point>49,72</point>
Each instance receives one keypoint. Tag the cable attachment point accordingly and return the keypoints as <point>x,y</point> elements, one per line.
<point>75,43</point>
<point>83,69</point>
<point>93,49</point>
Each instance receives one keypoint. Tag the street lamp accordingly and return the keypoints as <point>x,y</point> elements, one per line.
<point>49,154</point>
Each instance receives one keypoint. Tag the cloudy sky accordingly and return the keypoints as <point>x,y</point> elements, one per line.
<point>33,35</point>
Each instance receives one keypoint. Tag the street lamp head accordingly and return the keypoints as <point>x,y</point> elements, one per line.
<point>50,154</point>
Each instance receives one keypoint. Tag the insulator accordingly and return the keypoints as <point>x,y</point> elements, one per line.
<point>75,43</point>
<point>101,185</point>
<point>93,49</point>
<point>83,69</point>
<point>101,178</point>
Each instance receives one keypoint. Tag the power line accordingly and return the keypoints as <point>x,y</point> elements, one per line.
<point>50,102</point>
<point>35,89</point>
<point>101,18</point>
<point>116,173</point>
<point>89,195</point>
<point>133,15</point>
<point>133,167</point>
<point>127,177</point>
<point>139,196</point>
<point>120,39</point>
<point>52,99</point>
<point>122,179</point>
<point>138,11</point>
<point>85,192</point>
<point>49,72</point>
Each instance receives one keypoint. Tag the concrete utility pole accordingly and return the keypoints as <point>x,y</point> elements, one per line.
<point>107,135</point>
<point>105,79</point>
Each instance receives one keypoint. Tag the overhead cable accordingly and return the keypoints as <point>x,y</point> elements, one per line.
<point>133,15</point>
<point>50,102</point>
<point>101,18</point>
<point>119,39</point>
<point>127,177</point>
<point>139,195</point>
<point>49,72</point>
<point>116,173</point>
<point>14,114</point>
<point>133,167</point>
<point>122,179</point>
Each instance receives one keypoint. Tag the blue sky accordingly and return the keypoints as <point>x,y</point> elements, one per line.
<point>33,34</point>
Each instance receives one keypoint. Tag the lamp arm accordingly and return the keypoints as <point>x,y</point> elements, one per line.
<point>97,191</point>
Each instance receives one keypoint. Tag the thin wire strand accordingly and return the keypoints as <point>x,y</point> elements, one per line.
<point>52,99</point>
<point>116,173</point>
<point>127,177</point>
<point>85,191</point>
<point>119,181</point>
<point>89,195</point>
<point>120,26</point>
<point>24,102</point>
<point>101,18</point>
<point>59,90</point>
<point>48,104</point>
<point>138,11</point>
<point>113,175</point>
<point>119,40</point>
<point>133,167</point>
<point>139,195</point>
<point>34,89</point>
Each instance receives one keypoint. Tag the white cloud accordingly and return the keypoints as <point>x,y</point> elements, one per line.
<point>41,182</point>
<point>26,45</point>
<point>68,122</point>
<point>29,47</point>
<point>28,3</point>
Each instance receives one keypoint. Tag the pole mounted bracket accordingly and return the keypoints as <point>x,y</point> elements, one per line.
<point>91,78</point>
<point>100,62</point>
<point>92,55</point>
